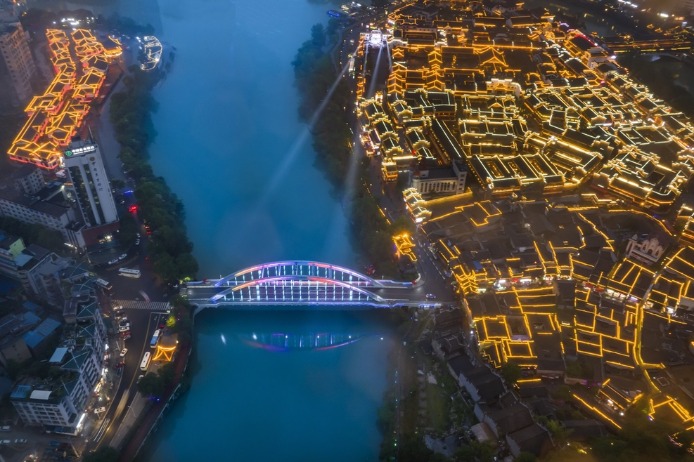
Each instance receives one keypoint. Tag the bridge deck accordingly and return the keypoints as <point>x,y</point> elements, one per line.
<point>298,283</point>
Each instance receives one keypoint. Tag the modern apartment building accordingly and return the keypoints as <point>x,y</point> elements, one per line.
<point>88,183</point>
<point>17,60</point>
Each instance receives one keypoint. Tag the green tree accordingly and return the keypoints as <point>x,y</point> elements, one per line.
<point>318,35</point>
<point>186,265</point>
<point>131,116</point>
<point>560,434</point>
<point>165,267</point>
<point>475,451</point>
<point>511,372</point>
<point>151,385</point>
<point>167,374</point>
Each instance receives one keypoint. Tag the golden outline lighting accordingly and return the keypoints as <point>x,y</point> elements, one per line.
<point>55,117</point>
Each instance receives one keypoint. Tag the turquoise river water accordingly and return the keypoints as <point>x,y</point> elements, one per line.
<point>230,144</point>
<point>265,386</point>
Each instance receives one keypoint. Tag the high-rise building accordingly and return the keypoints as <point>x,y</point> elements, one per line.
<point>88,183</point>
<point>17,59</point>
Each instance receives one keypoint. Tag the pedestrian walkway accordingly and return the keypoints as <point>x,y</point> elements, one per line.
<point>135,409</point>
<point>141,305</point>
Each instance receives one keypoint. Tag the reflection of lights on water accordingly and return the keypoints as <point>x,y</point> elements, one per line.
<point>224,339</point>
<point>301,341</point>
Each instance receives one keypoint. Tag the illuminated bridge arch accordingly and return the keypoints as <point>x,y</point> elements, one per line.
<point>296,289</point>
<point>299,268</point>
<point>298,283</point>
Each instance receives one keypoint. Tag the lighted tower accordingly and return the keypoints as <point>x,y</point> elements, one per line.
<point>88,184</point>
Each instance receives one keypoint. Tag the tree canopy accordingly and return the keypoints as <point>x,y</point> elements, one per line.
<point>170,249</point>
<point>103,454</point>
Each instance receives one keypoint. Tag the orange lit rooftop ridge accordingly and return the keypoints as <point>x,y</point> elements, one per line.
<point>56,116</point>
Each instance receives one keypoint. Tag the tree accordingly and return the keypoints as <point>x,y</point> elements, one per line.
<point>511,372</point>
<point>103,454</point>
<point>318,35</point>
<point>151,385</point>
<point>186,265</point>
<point>560,434</point>
<point>167,374</point>
<point>475,451</point>
<point>131,117</point>
<point>165,266</point>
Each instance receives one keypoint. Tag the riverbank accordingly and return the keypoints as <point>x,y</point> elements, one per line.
<point>158,207</point>
<point>326,105</point>
<point>162,213</point>
<point>234,152</point>
<point>149,421</point>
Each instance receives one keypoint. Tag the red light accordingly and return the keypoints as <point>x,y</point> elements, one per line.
<point>132,209</point>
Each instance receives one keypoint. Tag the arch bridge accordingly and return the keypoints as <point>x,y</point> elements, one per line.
<point>298,283</point>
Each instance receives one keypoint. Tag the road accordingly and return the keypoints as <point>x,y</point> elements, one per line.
<point>143,324</point>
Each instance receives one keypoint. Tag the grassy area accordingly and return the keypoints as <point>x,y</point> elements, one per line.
<point>445,408</point>
<point>438,408</point>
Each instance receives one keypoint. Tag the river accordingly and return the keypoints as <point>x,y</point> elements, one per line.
<point>229,143</point>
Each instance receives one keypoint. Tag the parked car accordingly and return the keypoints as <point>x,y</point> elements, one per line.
<point>99,410</point>
<point>21,441</point>
<point>5,428</point>
<point>123,352</point>
<point>431,297</point>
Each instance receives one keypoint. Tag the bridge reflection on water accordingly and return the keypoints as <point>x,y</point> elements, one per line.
<point>281,341</point>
